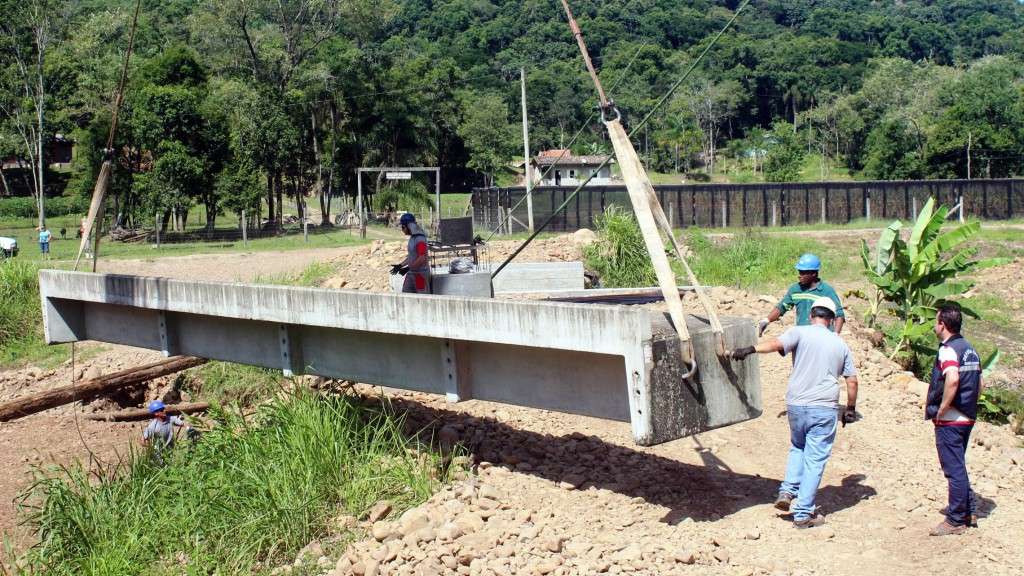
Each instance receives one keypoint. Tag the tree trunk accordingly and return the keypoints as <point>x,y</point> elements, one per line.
<point>136,414</point>
<point>270,196</point>
<point>279,191</point>
<point>87,389</point>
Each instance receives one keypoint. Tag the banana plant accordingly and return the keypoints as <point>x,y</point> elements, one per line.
<point>915,276</point>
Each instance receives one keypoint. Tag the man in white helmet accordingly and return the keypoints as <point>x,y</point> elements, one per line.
<point>820,357</point>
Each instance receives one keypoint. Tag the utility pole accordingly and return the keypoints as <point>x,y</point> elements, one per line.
<point>969,135</point>
<point>526,153</point>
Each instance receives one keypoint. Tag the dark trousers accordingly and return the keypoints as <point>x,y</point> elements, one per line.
<point>951,443</point>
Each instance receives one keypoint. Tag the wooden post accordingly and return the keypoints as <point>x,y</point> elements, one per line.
<point>526,153</point>
<point>725,217</point>
<point>823,207</point>
<point>867,207</point>
<point>775,207</point>
<point>156,227</point>
<point>671,216</point>
<point>960,199</point>
<point>245,230</point>
<point>913,203</point>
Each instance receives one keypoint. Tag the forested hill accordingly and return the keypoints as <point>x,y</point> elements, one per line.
<point>225,94</point>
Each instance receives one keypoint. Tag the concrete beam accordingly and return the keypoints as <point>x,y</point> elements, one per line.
<point>604,361</point>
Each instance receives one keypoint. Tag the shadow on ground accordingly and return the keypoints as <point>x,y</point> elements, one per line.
<point>704,493</point>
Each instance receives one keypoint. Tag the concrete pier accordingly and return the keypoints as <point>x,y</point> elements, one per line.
<point>613,362</point>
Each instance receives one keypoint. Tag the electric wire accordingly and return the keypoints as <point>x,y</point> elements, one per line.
<point>635,129</point>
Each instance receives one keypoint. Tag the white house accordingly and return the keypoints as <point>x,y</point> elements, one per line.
<point>569,170</point>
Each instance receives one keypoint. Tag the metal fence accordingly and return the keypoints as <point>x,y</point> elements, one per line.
<point>721,205</point>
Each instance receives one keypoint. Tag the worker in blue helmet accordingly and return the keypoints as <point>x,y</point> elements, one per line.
<point>416,266</point>
<point>808,288</point>
<point>159,433</point>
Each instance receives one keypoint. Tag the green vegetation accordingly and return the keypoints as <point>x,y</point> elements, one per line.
<point>753,260</point>
<point>310,276</point>
<point>231,102</point>
<point>913,277</point>
<point>1000,405</point>
<point>227,383</point>
<point>619,256</point>
<point>21,330</point>
<point>242,500</point>
<point>747,260</point>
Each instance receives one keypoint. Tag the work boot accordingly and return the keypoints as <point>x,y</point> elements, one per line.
<point>783,501</point>
<point>810,522</point>
<point>972,519</point>
<point>947,529</point>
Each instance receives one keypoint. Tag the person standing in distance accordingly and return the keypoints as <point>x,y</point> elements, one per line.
<point>952,405</point>
<point>820,358</point>
<point>808,288</point>
<point>159,433</point>
<point>416,267</point>
<point>44,242</point>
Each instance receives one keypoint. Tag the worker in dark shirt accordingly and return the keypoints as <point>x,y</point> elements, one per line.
<point>808,288</point>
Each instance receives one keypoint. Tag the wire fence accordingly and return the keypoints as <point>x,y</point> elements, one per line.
<point>762,204</point>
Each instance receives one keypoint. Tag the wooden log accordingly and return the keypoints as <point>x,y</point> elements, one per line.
<point>88,389</point>
<point>136,414</point>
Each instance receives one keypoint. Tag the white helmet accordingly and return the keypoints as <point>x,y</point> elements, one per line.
<point>826,303</point>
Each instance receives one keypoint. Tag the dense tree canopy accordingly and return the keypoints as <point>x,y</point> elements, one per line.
<point>288,97</point>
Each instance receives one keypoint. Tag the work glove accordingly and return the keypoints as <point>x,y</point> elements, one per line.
<point>399,269</point>
<point>741,353</point>
<point>762,325</point>
<point>849,415</point>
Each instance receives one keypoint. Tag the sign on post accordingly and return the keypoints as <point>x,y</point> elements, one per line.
<point>398,175</point>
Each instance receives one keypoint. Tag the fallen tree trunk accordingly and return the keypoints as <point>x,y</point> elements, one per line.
<point>88,389</point>
<point>136,414</point>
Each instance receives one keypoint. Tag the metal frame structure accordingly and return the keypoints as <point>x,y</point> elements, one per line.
<point>437,183</point>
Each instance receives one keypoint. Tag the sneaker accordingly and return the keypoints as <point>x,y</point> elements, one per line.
<point>947,529</point>
<point>783,501</point>
<point>972,520</point>
<point>810,522</point>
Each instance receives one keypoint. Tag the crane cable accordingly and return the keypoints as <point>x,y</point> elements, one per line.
<point>675,86</point>
<point>102,180</point>
<point>586,124</point>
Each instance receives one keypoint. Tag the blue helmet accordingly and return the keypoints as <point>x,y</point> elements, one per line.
<point>406,219</point>
<point>808,262</point>
<point>155,406</point>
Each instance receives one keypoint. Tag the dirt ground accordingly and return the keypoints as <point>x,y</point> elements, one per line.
<point>562,494</point>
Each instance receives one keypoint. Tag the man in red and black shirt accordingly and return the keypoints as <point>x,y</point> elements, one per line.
<point>953,405</point>
<point>416,266</point>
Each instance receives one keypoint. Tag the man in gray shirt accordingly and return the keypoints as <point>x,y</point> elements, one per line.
<point>820,357</point>
<point>159,433</point>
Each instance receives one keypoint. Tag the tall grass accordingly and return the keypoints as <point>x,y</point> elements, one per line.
<point>752,260</point>
<point>619,256</point>
<point>749,260</point>
<point>227,383</point>
<point>244,499</point>
<point>311,276</point>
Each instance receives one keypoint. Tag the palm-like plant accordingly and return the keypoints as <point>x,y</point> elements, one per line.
<point>915,276</point>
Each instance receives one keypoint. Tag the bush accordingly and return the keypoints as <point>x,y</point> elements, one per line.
<point>244,498</point>
<point>24,207</point>
<point>750,260</point>
<point>998,405</point>
<point>20,312</point>
<point>619,256</point>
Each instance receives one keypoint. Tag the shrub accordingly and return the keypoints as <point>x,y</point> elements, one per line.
<point>244,498</point>
<point>24,207</point>
<point>915,276</point>
<point>619,256</point>
<point>20,312</point>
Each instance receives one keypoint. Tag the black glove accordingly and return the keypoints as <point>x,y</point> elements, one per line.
<point>193,434</point>
<point>741,353</point>
<point>399,269</point>
<point>849,415</point>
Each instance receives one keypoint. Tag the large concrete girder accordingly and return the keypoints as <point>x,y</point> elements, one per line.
<point>613,362</point>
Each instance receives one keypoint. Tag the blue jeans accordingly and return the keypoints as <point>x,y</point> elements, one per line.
<point>812,430</point>
<point>951,443</point>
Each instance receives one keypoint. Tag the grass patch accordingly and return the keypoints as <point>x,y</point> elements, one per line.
<point>21,328</point>
<point>242,500</point>
<point>311,276</point>
<point>755,261</point>
<point>228,383</point>
<point>619,256</point>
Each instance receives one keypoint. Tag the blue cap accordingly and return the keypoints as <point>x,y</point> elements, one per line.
<point>406,219</point>
<point>808,262</point>
<point>155,406</point>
